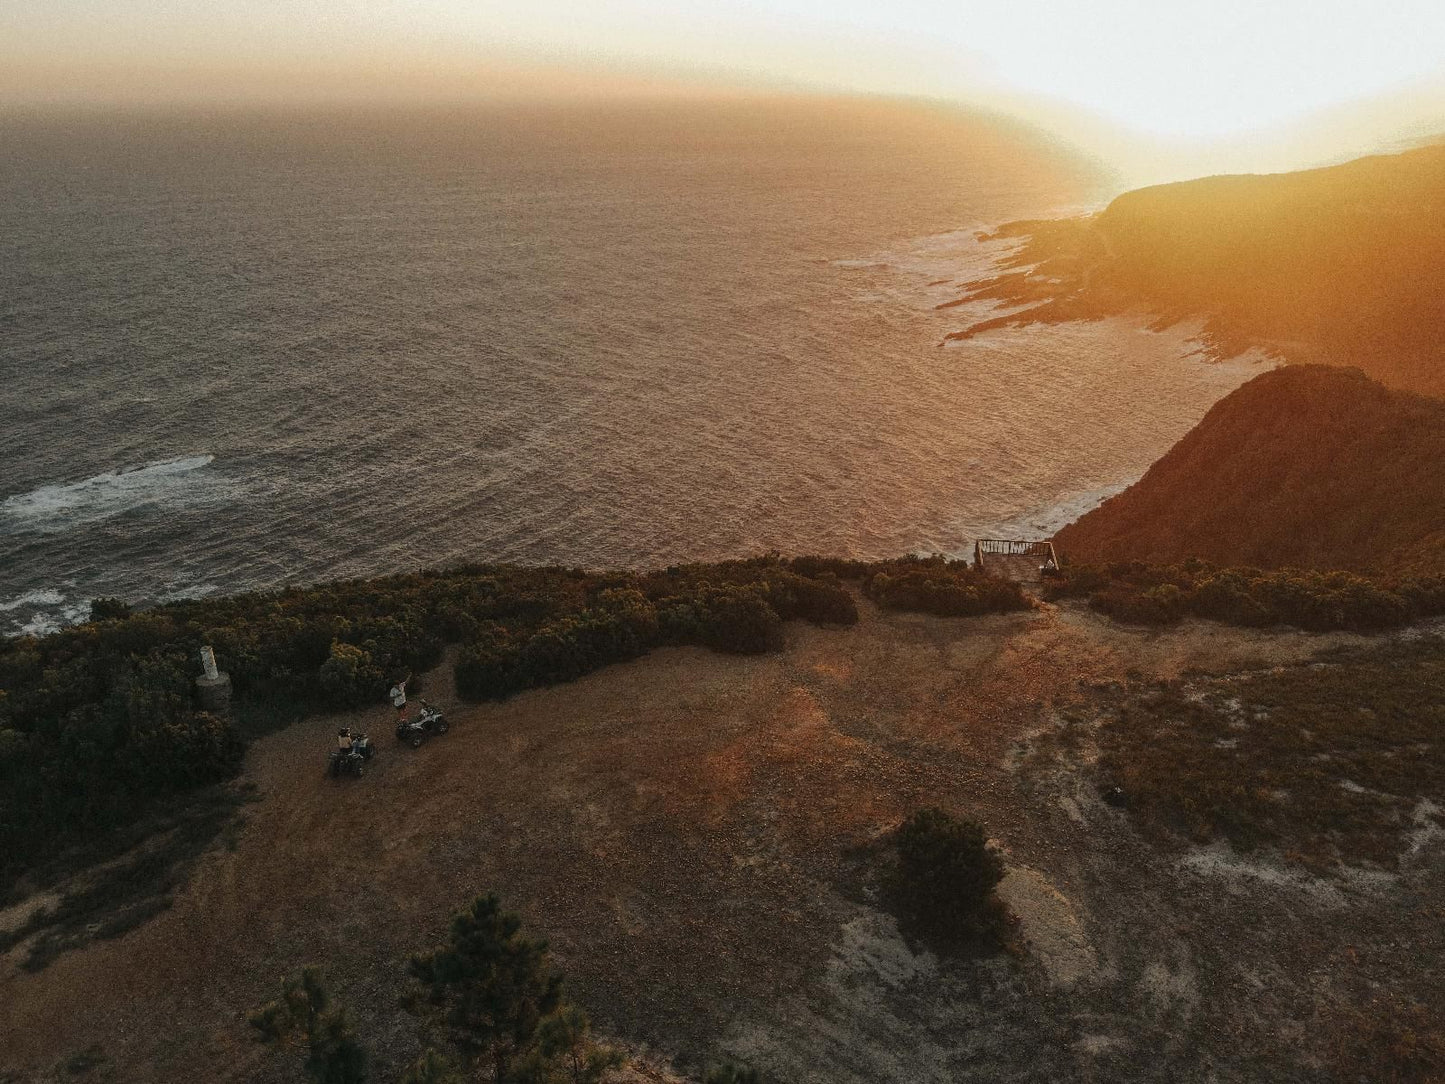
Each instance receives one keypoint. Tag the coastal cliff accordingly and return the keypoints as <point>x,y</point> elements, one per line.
<point>1305,466</point>
<point>1340,265</point>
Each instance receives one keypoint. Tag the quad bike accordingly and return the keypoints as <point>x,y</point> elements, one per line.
<point>353,762</point>
<point>427,722</point>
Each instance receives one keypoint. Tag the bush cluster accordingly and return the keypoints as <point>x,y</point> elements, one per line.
<point>92,733</point>
<point>1318,601</point>
<point>936,585</point>
<point>734,606</point>
<point>501,660</point>
<point>943,883</point>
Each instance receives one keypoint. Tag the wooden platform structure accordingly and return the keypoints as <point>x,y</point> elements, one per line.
<point>1015,559</point>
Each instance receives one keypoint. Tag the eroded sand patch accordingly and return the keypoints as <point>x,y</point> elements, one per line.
<point>1220,863</point>
<point>1050,926</point>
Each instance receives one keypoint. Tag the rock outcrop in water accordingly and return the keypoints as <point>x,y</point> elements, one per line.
<point>1340,265</point>
<point>1306,466</point>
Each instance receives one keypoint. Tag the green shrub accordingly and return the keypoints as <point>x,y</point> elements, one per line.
<point>1162,605</point>
<point>349,678</point>
<point>486,667</point>
<point>944,880</point>
<point>623,626</point>
<point>1425,596</point>
<point>1075,581</point>
<point>739,621</point>
<point>12,749</point>
<point>108,609</point>
<point>946,588</point>
<point>1231,597</point>
<point>181,754</point>
<point>303,1012</point>
<point>495,985</point>
<point>823,600</point>
<point>840,568</point>
<point>137,634</point>
<point>1308,599</point>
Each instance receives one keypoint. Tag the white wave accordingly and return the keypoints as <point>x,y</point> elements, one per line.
<point>47,597</point>
<point>187,591</point>
<point>41,611</point>
<point>1046,521</point>
<point>60,507</point>
<point>1042,521</point>
<point>933,269</point>
<point>43,624</point>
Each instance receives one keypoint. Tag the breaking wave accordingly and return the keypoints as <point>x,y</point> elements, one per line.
<point>48,597</point>
<point>61,507</point>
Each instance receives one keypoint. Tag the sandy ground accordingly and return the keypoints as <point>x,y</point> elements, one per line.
<point>692,831</point>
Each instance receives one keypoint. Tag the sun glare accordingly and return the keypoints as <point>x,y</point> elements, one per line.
<point>1183,69</point>
<point>1201,71</point>
<point>1180,70</point>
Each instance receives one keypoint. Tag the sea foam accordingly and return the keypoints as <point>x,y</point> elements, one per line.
<point>60,507</point>
<point>48,597</point>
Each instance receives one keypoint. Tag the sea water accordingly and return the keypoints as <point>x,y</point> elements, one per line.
<point>245,350</point>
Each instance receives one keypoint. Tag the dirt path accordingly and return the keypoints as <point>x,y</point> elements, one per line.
<point>687,831</point>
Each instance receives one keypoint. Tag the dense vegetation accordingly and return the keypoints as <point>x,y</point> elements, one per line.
<point>1304,466</point>
<point>1334,761</point>
<point>1319,601</point>
<point>99,723</point>
<point>946,589</point>
<point>1339,265</point>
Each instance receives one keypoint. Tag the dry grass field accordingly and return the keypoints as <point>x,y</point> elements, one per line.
<point>698,836</point>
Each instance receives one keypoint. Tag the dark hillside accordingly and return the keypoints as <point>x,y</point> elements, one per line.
<point>1304,466</point>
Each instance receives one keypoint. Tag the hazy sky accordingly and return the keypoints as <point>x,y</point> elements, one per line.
<point>1177,68</point>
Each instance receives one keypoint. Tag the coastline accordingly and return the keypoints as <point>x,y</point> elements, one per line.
<point>1014,437</point>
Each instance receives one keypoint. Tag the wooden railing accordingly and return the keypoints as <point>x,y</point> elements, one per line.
<point>1014,547</point>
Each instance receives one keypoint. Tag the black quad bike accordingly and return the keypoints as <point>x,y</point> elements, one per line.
<point>354,762</point>
<point>427,722</point>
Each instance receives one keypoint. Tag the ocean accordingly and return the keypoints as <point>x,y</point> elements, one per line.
<point>244,350</point>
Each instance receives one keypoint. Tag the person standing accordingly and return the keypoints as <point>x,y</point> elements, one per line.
<point>398,698</point>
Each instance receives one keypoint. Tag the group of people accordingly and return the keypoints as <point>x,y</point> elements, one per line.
<point>344,740</point>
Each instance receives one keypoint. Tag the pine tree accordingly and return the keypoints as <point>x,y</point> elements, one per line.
<point>495,984</point>
<point>432,1068</point>
<point>565,1039</point>
<point>304,1011</point>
